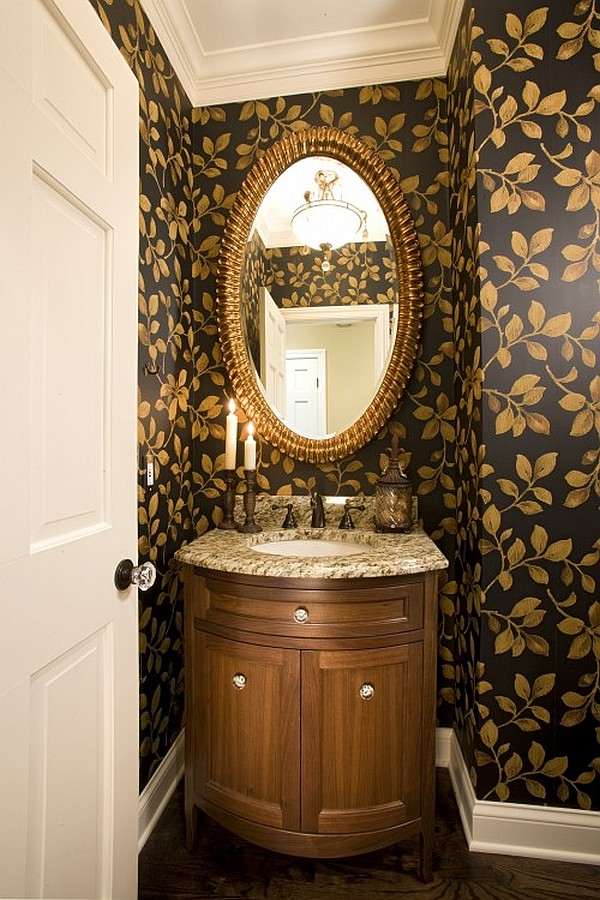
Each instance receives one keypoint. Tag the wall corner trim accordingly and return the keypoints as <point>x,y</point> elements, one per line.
<point>520,829</point>
<point>159,790</point>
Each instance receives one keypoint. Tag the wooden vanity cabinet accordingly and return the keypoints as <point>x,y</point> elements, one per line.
<point>310,723</point>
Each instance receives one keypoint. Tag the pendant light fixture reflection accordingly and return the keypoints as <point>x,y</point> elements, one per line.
<point>326,220</point>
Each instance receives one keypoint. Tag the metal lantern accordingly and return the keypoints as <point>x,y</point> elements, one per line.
<point>393,496</point>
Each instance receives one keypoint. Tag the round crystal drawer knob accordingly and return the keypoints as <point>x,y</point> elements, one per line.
<point>301,615</point>
<point>366,691</point>
<point>239,681</point>
<point>127,574</point>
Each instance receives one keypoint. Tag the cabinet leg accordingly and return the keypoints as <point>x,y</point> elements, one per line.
<point>426,855</point>
<point>191,826</point>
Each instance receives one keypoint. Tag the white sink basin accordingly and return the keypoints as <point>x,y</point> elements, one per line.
<point>308,548</point>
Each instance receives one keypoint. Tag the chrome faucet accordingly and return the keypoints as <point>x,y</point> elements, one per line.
<point>318,512</point>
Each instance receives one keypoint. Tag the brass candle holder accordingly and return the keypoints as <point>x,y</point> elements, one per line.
<point>249,526</point>
<point>228,522</point>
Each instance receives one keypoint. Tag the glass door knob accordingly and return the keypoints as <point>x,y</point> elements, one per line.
<point>127,574</point>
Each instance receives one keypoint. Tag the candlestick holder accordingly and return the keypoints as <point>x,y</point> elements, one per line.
<point>249,526</point>
<point>228,521</point>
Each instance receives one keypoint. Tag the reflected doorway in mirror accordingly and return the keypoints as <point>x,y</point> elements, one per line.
<point>306,387</point>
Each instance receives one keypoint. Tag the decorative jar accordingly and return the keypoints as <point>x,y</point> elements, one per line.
<point>393,496</point>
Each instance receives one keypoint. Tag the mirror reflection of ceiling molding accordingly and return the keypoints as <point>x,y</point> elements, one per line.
<point>236,50</point>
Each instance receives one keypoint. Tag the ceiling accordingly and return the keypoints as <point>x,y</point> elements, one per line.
<point>228,51</point>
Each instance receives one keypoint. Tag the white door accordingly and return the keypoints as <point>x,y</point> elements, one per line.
<point>272,351</point>
<point>306,392</point>
<point>68,258</point>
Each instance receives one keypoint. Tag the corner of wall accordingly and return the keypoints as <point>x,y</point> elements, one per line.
<point>520,829</point>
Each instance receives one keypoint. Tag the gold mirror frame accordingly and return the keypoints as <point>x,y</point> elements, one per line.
<point>325,141</point>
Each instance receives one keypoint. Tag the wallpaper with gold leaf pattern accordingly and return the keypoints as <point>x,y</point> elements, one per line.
<point>524,88</point>
<point>500,420</point>
<point>169,326</point>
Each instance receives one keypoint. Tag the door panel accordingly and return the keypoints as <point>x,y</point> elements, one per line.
<point>361,755</point>
<point>68,254</point>
<point>306,391</point>
<point>66,743</point>
<point>69,473</point>
<point>272,351</point>
<point>250,734</point>
<point>70,89</point>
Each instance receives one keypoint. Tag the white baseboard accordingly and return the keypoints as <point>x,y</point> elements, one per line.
<point>443,743</point>
<point>159,790</point>
<point>520,829</point>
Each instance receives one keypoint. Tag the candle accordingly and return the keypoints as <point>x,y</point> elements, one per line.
<point>250,449</point>
<point>231,437</point>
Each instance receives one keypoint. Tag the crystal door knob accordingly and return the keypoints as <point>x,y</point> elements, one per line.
<point>127,574</point>
<point>367,691</point>
<point>301,615</point>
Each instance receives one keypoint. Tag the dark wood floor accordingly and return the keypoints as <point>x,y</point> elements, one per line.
<point>226,867</point>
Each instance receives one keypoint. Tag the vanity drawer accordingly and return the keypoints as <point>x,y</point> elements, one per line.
<point>334,610</point>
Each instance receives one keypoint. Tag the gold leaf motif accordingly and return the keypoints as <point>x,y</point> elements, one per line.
<point>572,401</point>
<point>575,271</point>
<point>522,688</point>
<point>579,197</point>
<point>535,788</point>
<point>533,200</point>
<point>535,20</point>
<point>536,755</point>
<point>559,550</point>
<point>580,647</point>
<point>513,766</point>
<point>513,26</point>
<point>582,423</point>
<point>519,163</point>
<point>489,733</point>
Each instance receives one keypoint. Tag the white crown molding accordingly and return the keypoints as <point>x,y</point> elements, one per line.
<point>520,829</point>
<point>171,25</point>
<point>399,52</point>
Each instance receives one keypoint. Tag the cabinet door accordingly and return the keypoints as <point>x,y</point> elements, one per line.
<point>248,701</point>
<point>361,738</point>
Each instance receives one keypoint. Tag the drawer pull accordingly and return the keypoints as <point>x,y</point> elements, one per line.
<point>367,691</point>
<point>239,681</point>
<point>301,615</point>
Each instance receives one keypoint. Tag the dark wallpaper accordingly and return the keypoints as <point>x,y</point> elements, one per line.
<point>526,204</point>
<point>500,421</point>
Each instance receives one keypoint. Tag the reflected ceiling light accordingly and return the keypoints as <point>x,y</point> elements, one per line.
<point>325,221</point>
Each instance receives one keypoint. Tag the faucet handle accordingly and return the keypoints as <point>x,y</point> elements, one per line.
<point>346,523</point>
<point>290,519</point>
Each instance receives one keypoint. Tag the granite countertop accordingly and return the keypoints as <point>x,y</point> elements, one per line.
<point>373,555</point>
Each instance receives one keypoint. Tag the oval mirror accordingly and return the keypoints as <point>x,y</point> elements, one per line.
<point>320,294</point>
